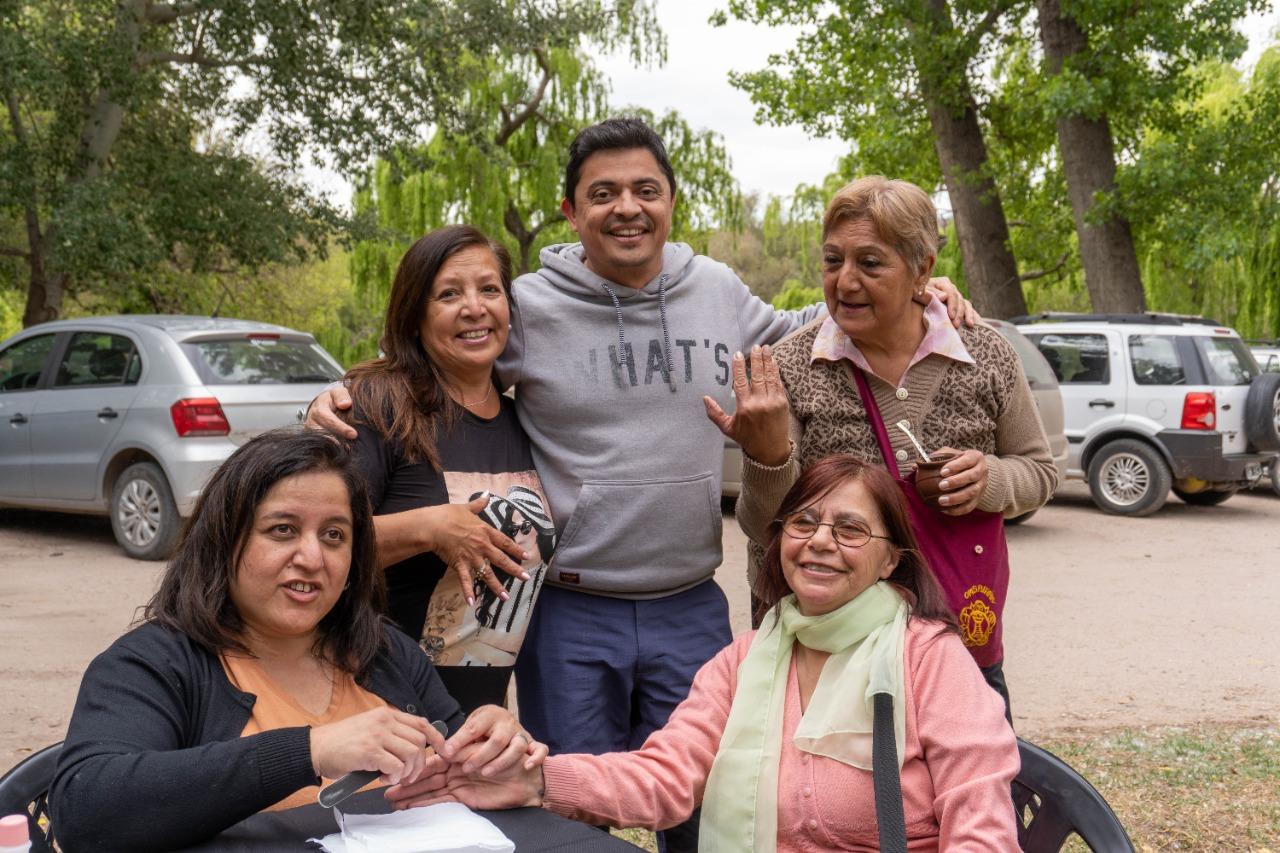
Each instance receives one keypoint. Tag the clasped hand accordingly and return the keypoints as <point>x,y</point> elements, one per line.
<point>403,747</point>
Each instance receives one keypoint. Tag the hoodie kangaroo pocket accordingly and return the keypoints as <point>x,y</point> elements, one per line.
<point>641,535</point>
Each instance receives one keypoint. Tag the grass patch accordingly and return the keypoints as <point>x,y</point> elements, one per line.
<point>1204,788</point>
<point>1208,787</point>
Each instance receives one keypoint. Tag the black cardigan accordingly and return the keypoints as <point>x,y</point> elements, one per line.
<point>154,760</point>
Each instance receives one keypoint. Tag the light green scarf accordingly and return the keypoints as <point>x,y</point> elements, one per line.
<point>864,638</point>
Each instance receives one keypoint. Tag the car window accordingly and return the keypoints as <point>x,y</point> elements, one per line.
<point>1076,359</point>
<point>22,363</point>
<point>98,358</point>
<point>260,361</point>
<point>1269,362</point>
<point>1155,360</point>
<point>1227,360</point>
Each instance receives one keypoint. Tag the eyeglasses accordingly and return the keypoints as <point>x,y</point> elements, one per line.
<point>847,533</point>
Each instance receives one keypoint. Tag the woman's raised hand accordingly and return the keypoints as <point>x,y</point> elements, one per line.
<point>470,547</point>
<point>323,413</point>
<point>760,423</point>
<point>964,479</point>
<point>384,739</point>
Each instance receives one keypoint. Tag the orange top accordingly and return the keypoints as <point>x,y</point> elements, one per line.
<point>276,709</point>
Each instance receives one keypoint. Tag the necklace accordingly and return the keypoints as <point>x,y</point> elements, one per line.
<point>487,395</point>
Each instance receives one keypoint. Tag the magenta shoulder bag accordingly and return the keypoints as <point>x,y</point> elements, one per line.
<point>967,553</point>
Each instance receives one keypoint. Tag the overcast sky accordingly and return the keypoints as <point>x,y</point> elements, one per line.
<point>695,82</point>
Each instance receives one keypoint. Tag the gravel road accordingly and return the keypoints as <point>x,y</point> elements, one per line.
<point>1110,621</point>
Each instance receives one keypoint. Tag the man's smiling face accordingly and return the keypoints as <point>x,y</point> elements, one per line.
<point>621,209</point>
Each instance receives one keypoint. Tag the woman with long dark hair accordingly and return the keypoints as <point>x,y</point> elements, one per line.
<point>440,447</point>
<point>263,667</point>
<point>774,741</point>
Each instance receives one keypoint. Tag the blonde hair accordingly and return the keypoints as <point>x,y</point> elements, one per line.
<point>901,212</point>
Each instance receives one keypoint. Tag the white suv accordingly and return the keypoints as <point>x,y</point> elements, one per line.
<point>1155,401</point>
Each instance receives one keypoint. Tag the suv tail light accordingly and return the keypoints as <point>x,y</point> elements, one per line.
<point>195,416</point>
<point>1199,410</point>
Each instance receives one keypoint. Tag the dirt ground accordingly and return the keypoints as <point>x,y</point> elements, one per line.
<point>1111,622</point>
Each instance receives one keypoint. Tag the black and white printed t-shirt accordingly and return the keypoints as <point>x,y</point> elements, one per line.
<point>474,648</point>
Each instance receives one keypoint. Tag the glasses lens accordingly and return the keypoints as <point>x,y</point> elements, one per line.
<point>851,534</point>
<point>800,526</point>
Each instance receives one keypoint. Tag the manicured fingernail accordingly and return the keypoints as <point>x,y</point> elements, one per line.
<point>504,595</point>
<point>943,484</point>
<point>946,472</point>
<point>524,576</point>
<point>944,500</point>
<point>737,356</point>
<point>471,601</point>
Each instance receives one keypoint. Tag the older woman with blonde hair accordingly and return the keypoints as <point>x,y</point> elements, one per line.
<point>884,366</point>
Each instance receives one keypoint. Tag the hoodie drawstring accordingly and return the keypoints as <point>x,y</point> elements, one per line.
<point>623,357</point>
<point>666,335</point>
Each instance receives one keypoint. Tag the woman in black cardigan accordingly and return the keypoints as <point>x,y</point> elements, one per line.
<point>275,583</point>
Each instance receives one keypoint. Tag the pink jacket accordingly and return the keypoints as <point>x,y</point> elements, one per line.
<point>960,758</point>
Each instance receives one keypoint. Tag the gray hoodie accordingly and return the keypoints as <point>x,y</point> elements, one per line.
<point>629,461</point>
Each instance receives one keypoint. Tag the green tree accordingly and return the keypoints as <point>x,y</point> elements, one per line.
<point>106,102</point>
<point>894,77</point>
<point>506,176</point>
<point>1107,64</point>
<point>1209,228</point>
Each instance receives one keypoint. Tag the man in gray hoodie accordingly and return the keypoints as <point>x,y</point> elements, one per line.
<point>614,343</point>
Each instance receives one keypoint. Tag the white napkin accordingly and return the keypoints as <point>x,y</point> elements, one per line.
<point>442,828</point>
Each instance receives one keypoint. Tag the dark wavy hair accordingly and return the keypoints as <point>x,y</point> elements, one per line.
<point>195,591</point>
<point>399,395</point>
<point>912,572</point>
<point>615,134</point>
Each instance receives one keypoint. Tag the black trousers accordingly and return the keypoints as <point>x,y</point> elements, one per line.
<point>994,675</point>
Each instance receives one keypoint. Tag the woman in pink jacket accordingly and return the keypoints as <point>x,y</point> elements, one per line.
<point>774,740</point>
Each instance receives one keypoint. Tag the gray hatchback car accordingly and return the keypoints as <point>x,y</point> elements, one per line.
<point>128,416</point>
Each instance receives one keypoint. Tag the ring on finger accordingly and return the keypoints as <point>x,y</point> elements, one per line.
<point>478,572</point>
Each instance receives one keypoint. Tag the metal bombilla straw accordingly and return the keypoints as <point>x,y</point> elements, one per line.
<point>905,426</point>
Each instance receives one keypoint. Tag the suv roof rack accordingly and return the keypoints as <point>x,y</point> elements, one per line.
<point>1151,317</point>
<point>1262,342</point>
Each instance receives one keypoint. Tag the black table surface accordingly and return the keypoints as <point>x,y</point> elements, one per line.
<point>532,830</point>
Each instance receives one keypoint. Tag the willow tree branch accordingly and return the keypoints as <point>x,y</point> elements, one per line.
<point>1034,274</point>
<point>513,123</point>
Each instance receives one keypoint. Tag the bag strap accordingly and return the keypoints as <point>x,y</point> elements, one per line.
<point>885,778</point>
<point>877,422</point>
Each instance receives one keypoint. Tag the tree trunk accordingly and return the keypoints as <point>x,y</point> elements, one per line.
<point>989,265</point>
<point>1089,163</point>
<point>103,118</point>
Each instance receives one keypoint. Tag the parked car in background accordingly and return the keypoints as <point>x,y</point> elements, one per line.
<point>1267,354</point>
<point>1044,388</point>
<point>129,415</point>
<point>1157,401</point>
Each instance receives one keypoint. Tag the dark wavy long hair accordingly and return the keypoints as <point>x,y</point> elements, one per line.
<point>399,394</point>
<point>912,572</point>
<point>195,592</point>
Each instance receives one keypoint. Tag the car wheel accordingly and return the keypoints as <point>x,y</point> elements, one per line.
<point>1262,413</point>
<point>1018,519</point>
<point>1275,476</point>
<point>1206,498</point>
<point>1128,477</point>
<point>144,517</point>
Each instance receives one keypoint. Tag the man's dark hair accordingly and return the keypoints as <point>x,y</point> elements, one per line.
<point>615,134</point>
<point>195,591</point>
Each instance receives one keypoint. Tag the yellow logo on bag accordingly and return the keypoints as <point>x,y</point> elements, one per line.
<point>977,619</point>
